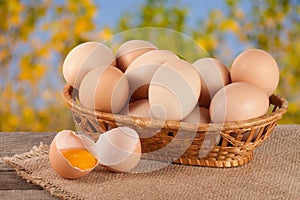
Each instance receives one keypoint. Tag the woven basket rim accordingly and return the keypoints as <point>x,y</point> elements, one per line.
<point>282,103</point>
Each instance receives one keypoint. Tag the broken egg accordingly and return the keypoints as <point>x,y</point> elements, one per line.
<point>69,157</point>
<point>74,156</point>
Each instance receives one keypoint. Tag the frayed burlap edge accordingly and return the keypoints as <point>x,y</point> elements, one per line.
<point>36,151</point>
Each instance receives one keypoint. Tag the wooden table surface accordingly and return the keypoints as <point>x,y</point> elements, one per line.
<point>11,186</point>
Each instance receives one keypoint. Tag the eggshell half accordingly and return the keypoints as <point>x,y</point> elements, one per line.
<point>257,67</point>
<point>85,57</point>
<point>104,89</point>
<point>238,101</point>
<point>66,139</point>
<point>119,149</point>
<point>141,70</point>
<point>214,76</point>
<point>130,50</point>
<point>174,90</point>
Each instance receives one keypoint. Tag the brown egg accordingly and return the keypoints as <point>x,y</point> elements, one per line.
<point>85,57</point>
<point>139,108</point>
<point>214,76</point>
<point>238,101</point>
<point>104,89</point>
<point>69,157</point>
<point>140,71</point>
<point>130,50</point>
<point>174,90</point>
<point>198,115</point>
<point>257,67</point>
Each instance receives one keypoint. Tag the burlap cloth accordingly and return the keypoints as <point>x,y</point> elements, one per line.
<point>274,173</point>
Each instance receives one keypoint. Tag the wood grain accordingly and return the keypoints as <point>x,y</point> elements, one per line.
<point>4,167</point>
<point>11,185</point>
<point>10,181</point>
<point>25,195</point>
<point>15,143</point>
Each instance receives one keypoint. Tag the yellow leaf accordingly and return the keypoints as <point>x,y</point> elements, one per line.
<point>31,72</point>
<point>25,70</point>
<point>230,25</point>
<point>13,121</point>
<point>15,8</point>
<point>28,114</point>
<point>39,71</point>
<point>207,43</point>
<point>81,26</point>
<point>106,34</point>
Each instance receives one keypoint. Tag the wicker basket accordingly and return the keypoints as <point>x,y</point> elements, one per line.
<point>213,145</point>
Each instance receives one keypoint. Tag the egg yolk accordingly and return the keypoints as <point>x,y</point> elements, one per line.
<point>80,158</point>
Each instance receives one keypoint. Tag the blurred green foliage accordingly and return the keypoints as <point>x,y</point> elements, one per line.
<point>35,37</point>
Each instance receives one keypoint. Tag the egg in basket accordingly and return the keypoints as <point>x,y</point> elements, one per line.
<point>195,113</point>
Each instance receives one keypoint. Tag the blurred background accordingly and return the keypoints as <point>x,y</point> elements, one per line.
<point>36,35</point>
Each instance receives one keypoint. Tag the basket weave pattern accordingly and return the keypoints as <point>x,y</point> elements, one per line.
<point>212,145</point>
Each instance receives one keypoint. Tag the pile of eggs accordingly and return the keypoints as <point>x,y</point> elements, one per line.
<point>158,84</point>
<point>142,80</point>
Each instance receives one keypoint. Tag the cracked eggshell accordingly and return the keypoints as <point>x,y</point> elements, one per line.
<point>66,139</point>
<point>130,50</point>
<point>104,89</point>
<point>174,90</point>
<point>118,149</point>
<point>85,57</point>
<point>141,70</point>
